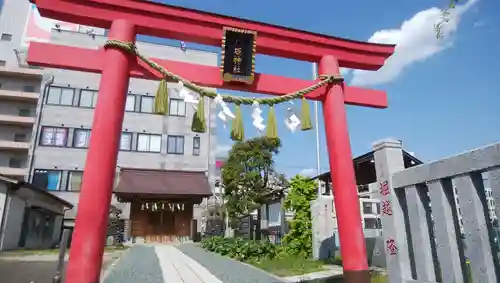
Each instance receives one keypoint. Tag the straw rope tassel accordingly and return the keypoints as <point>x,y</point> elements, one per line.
<point>237,129</point>
<point>305,119</point>
<point>161,99</point>
<point>272,127</point>
<point>198,125</point>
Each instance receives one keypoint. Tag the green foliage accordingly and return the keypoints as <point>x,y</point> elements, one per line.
<point>241,249</point>
<point>289,265</point>
<point>248,176</point>
<point>298,240</point>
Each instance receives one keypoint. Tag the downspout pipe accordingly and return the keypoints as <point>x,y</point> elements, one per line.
<point>38,126</point>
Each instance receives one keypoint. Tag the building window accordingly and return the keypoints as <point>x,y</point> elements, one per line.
<point>130,105</point>
<point>23,112</point>
<point>88,98</point>
<point>175,145</point>
<point>19,137</point>
<point>6,37</point>
<point>126,141</point>
<point>148,143</point>
<point>75,181</point>
<point>81,138</point>
<point>47,179</point>
<point>28,88</point>
<point>16,162</point>
<point>147,103</point>
<point>177,107</point>
<point>53,136</point>
<point>60,96</point>
<point>196,145</point>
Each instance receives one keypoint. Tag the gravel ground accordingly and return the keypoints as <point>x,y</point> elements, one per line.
<point>138,264</point>
<point>226,269</point>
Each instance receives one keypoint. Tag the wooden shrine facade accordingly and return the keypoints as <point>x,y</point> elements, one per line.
<point>161,202</point>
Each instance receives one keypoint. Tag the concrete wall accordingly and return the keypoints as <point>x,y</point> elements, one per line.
<point>12,21</point>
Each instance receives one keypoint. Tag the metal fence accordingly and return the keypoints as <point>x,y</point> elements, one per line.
<point>437,218</point>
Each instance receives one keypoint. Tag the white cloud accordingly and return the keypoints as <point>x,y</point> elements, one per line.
<point>309,172</point>
<point>222,150</point>
<point>415,42</point>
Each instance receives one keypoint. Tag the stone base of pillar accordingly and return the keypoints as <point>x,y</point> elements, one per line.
<point>324,225</point>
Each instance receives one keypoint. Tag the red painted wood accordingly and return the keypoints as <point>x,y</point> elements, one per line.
<point>205,28</point>
<point>91,223</point>
<point>90,60</point>
<point>346,199</point>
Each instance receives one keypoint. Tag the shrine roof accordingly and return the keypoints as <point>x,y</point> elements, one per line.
<point>163,182</point>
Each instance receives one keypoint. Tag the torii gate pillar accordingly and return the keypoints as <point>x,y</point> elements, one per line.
<point>91,221</point>
<point>353,247</point>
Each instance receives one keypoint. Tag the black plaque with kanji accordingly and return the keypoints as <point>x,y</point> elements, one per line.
<point>238,55</point>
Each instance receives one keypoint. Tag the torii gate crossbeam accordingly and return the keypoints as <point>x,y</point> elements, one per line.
<point>126,19</point>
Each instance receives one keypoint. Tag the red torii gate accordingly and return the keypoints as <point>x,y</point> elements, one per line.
<point>126,19</point>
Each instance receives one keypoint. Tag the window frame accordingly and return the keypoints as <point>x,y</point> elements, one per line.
<point>176,137</point>
<point>17,135</point>
<point>141,97</point>
<point>75,131</point>
<point>6,37</point>
<point>197,138</point>
<point>60,95</point>
<point>135,102</point>
<point>24,112</point>
<point>149,142</point>
<point>42,130</point>
<point>29,88</point>
<point>94,94</point>
<point>69,183</point>
<point>176,100</point>
<point>131,137</point>
<point>61,174</point>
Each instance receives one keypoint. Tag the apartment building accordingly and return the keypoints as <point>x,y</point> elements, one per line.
<point>148,141</point>
<point>61,106</point>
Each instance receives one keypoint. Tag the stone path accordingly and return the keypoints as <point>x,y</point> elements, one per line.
<point>178,267</point>
<point>186,263</point>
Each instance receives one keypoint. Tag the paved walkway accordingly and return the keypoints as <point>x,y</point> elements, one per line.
<point>185,263</point>
<point>179,268</point>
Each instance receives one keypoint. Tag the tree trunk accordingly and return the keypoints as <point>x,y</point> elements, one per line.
<point>258,232</point>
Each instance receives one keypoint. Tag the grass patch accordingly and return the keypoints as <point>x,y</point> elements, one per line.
<point>289,266</point>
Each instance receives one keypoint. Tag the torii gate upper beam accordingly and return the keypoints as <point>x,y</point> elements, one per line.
<point>169,21</point>
<point>91,60</point>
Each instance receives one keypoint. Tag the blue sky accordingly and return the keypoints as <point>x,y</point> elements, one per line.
<point>443,96</point>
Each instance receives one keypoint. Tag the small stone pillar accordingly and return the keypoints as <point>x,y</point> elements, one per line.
<point>324,225</point>
<point>388,155</point>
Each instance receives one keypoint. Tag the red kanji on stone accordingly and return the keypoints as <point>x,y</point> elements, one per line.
<point>384,188</point>
<point>391,247</point>
<point>386,207</point>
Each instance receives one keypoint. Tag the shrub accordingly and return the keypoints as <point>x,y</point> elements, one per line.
<point>298,240</point>
<point>241,249</point>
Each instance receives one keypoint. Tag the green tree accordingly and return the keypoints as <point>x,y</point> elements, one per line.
<point>445,18</point>
<point>249,177</point>
<point>298,240</point>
